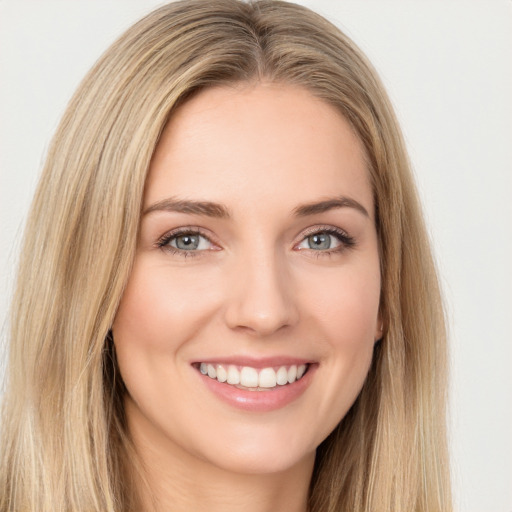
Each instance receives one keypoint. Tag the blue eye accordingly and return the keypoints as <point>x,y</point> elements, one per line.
<point>321,241</point>
<point>185,242</point>
<point>190,242</point>
<point>326,241</point>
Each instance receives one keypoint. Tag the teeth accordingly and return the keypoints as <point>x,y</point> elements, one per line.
<point>282,376</point>
<point>292,374</point>
<point>233,375</point>
<point>222,374</point>
<point>267,378</point>
<point>248,377</point>
<point>212,372</point>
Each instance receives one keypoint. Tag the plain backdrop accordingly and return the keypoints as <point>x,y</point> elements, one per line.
<point>447,66</point>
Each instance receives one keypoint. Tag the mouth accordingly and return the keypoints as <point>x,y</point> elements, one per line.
<point>253,379</point>
<point>254,385</point>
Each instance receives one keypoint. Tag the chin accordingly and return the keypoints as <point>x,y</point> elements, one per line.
<point>263,462</point>
<point>260,451</point>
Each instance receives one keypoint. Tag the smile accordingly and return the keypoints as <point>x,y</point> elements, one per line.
<point>256,385</point>
<point>253,379</point>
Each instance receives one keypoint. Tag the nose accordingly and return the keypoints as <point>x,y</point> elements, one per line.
<point>261,296</point>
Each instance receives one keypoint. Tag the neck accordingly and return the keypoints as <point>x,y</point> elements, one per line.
<point>177,480</point>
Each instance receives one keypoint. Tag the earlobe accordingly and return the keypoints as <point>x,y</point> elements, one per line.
<point>380,330</point>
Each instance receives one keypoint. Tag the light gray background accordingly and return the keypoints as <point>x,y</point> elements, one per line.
<point>447,66</point>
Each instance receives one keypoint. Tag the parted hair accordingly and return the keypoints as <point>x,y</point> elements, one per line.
<point>64,442</point>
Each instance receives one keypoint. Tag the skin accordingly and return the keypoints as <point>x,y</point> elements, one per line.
<point>256,288</point>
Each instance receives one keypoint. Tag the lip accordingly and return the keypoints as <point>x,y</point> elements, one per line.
<point>259,401</point>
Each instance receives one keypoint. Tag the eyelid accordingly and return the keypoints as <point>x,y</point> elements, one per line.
<point>320,228</point>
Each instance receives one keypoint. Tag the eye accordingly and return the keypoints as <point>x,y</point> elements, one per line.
<point>185,242</point>
<point>319,241</point>
<point>326,240</point>
<point>189,242</point>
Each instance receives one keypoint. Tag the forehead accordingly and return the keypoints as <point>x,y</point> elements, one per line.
<point>250,143</point>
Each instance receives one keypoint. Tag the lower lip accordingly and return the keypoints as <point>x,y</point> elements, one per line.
<point>260,401</point>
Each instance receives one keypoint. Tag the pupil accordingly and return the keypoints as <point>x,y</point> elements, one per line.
<point>319,241</point>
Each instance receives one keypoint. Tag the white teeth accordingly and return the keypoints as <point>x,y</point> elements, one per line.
<point>267,378</point>
<point>233,375</point>
<point>251,377</point>
<point>211,371</point>
<point>292,374</point>
<point>222,374</point>
<point>282,376</point>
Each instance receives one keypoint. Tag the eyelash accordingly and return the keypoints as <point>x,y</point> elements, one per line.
<point>163,242</point>
<point>346,241</point>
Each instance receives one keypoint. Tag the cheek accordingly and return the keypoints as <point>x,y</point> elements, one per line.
<point>346,314</point>
<point>352,323</point>
<point>347,305</point>
<point>160,312</point>
<point>160,309</point>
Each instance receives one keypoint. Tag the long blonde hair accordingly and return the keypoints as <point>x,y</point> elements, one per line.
<point>64,443</point>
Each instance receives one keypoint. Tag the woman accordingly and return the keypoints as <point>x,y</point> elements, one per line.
<point>226,296</point>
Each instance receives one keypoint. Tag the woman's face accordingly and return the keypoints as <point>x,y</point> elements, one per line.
<point>257,263</point>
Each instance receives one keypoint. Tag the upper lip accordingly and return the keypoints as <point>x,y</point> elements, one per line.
<point>255,362</point>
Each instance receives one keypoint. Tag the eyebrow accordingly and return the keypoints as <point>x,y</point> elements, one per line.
<point>206,208</point>
<point>220,211</point>
<point>329,204</point>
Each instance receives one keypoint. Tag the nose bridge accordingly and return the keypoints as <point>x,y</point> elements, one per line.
<point>261,298</point>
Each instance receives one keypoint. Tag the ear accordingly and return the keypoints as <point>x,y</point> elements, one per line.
<point>379,330</point>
